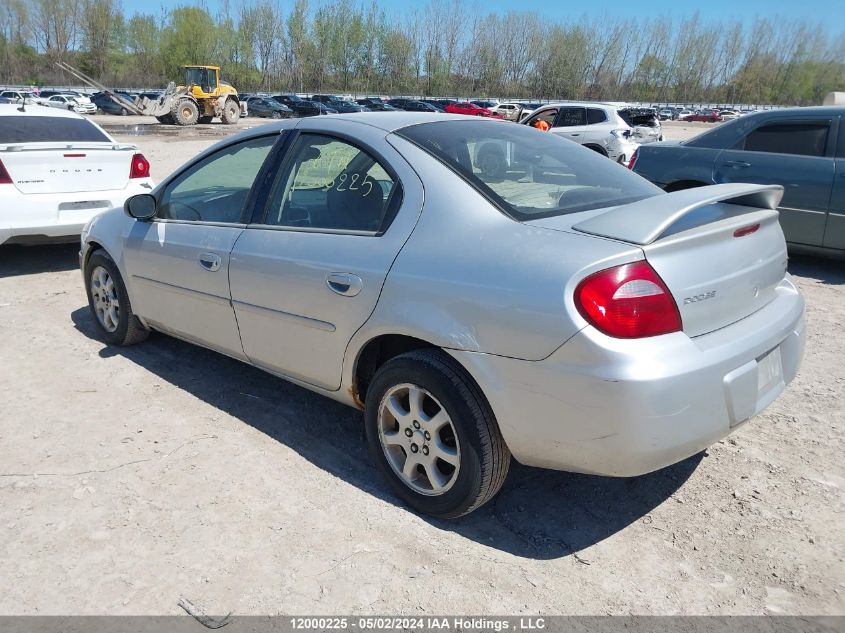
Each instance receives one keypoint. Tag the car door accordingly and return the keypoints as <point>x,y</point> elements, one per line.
<point>794,152</point>
<point>571,123</point>
<point>834,233</point>
<point>178,264</point>
<point>308,272</point>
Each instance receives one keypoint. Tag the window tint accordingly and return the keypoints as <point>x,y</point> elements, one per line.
<point>216,189</point>
<point>331,184</point>
<point>803,139</point>
<point>40,129</point>
<point>527,174</point>
<point>570,117</point>
<point>594,115</point>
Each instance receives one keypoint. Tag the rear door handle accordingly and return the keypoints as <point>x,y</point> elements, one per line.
<point>210,261</point>
<point>737,164</point>
<point>346,284</point>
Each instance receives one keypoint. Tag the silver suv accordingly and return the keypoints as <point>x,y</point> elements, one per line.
<point>613,130</point>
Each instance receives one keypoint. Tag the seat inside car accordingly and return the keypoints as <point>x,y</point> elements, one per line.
<point>358,209</point>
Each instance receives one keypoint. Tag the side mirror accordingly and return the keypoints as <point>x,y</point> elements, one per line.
<point>141,207</point>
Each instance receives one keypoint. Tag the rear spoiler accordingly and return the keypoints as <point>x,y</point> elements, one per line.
<point>645,221</point>
<point>60,145</point>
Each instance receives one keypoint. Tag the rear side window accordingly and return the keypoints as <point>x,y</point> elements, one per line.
<point>802,139</point>
<point>45,129</point>
<point>570,117</point>
<point>594,115</point>
<point>528,174</point>
<point>329,183</point>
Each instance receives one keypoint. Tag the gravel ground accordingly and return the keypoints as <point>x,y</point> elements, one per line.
<point>133,477</point>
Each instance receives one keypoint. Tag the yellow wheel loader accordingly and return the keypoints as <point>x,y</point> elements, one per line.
<point>202,98</point>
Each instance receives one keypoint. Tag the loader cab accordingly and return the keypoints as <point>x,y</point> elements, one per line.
<point>205,80</point>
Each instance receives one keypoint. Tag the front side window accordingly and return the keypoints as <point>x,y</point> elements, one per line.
<point>526,174</point>
<point>802,139</point>
<point>216,189</point>
<point>331,184</point>
<point>547,116</point>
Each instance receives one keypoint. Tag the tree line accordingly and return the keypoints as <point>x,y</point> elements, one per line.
<point>444,48</point>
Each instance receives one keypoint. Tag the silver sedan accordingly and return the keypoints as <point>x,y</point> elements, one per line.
<point>480,290</point>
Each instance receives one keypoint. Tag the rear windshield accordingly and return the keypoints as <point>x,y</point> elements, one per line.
<point>527,173</point>
<point>44,129</point>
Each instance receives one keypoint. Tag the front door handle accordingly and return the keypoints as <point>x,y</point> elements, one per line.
<point>737,164</point>
<point>345,284</point>
<point>210,261</point>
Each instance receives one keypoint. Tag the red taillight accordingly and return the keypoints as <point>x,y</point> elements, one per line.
<point>628,301</point>
<point>5,178</point>
<point>140,167</point>
<point>634,158</point>
<point>746,230</point>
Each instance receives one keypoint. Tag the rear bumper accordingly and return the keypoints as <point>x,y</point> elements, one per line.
<point>29,217</point>
<point>627,407</point>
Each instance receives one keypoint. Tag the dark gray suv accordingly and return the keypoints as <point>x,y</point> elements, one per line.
<point>802,149</point>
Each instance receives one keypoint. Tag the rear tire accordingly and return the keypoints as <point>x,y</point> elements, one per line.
<point>185,112</point>
<point>597,148</point>
<point>433,434</point>
<point>231,112</point>
<point>109,302</point>
<point>124,112</point>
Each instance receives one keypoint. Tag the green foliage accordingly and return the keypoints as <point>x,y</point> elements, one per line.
<point>440,48</point>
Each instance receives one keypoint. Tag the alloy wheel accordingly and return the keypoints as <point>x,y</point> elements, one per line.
<point>105,298</point>
<point>419,439</point>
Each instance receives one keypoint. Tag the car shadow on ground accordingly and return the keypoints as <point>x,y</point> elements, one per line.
<point>827,271</point>
<point>18,260</point>
<point>538,514</point>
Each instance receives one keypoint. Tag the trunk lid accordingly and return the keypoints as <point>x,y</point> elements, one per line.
<point>720,249</point>
<point>67,167</point>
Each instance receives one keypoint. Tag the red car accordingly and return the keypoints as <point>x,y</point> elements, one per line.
<point>463,107</point>
<point>706,116</point>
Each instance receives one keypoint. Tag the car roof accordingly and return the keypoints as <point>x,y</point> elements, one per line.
<point>13,109</point>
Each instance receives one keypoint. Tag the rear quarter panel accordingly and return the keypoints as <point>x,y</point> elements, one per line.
<point>470,278</point>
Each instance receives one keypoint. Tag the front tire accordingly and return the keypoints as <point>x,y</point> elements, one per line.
<point>433,434</point>
<point>231,112</point>
<point>109,302</point>
<point>185,112</point>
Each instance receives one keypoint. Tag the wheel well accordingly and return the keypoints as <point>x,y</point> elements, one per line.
<point>94,247</point>
<point>596,148</point>
<point>376,353</point>
<point>680,185</point>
